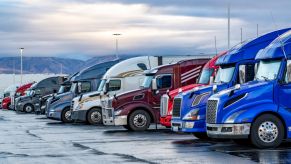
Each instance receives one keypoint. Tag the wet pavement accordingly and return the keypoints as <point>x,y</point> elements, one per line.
<point>27,138</point>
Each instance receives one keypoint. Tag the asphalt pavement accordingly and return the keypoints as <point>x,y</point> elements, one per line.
<point>29,138</point>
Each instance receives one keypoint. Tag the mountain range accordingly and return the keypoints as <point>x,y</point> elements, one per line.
<point>32,65</point>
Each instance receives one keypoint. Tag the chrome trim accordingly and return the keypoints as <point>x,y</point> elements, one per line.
<point>164,105</point>
<point>217,99</point>
<point>180,107</point>
<point>201,97</point>
<point>246,130</point>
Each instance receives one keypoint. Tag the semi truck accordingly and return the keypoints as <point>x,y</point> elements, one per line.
<point>206,77</point>
<point>136,110</point>
<point>30,102</point>
<point>8,92</point>
<point>259,111</point>
<point>20,91</point>
<point>189,109</point>
<point>122,77</point>
<point>87,80</point>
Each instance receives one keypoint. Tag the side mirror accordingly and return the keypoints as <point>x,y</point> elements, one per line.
<point>211,80</point>
<point>154,84</point>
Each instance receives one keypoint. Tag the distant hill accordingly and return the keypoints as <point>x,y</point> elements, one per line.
<point>9,65</point>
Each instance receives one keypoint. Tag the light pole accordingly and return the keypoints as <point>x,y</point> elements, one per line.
<point>116,44</point>
<point>21,52</point>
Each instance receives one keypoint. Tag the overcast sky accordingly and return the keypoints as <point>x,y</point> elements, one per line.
<point>83,28</point>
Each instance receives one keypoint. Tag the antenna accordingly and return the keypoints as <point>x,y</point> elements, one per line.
<point>281,43</point>
<point>215,45</point>
<point>257,30</point>
<point>228,26</point>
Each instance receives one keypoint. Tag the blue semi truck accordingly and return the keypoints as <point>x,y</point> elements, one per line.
<point>87,80</point>
<point>258,111</point>
<point>236,67</point>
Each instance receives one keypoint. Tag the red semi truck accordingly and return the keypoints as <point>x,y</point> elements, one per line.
<point>136,110</point>
<point>8,102</point>
<point>206,77</point>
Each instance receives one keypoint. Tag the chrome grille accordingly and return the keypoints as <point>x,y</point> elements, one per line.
<point>177,107</point>
<point>164,105</point>
<point>211,111</point>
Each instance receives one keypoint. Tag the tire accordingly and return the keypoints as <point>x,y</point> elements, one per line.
<point>8,106</point>
<point>200,135</point>
<point>139,120</point>
<point>28,108</point>
<point>94,116</point>
<point>127,127</point>
<point>66,116</point>
<point>262,124</point>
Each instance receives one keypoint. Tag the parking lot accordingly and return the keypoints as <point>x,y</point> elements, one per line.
<point>28,138</point>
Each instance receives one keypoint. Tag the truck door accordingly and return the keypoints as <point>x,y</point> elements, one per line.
<point>164,82</point>
<point>284,89</point>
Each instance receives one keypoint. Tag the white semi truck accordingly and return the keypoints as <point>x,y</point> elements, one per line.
<point>122,77</point>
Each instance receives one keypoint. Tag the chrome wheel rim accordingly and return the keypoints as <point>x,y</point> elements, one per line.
<point>268,132</point>
<point>95,116</point>
<point>68,115</point>
<point>28,109</point>
<point>139,120</point>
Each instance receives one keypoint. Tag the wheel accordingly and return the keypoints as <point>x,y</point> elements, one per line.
<point>28,108</point>
<point>9,106</point>
<point>127,127</point>
<point>139,120</point>
<point>66,116</point>
<point>267,131</point>
<point>200,135</point>
<point>94,116</point>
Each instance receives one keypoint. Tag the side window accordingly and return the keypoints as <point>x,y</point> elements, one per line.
<point>85,87</point>
<point>246,73</point>
<point>288,72</point>
<point>114,85</point>
<point>164,81</point>
<point>54,81</point>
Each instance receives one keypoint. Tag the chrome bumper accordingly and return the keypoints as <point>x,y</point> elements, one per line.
<point>228,130</point>
<point>110,119</point>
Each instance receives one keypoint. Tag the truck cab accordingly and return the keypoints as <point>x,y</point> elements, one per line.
<point>258,111</point>
<point>8,93</point>
<point>136,110</point>
<point>31,102</point>
<point>206,77</point>
<point>122,77</point>
<point>20,91</point>
<point>87,80</point>
<point>189,108</point>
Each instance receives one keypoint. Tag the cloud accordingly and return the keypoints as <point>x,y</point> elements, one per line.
<point>82,29</point>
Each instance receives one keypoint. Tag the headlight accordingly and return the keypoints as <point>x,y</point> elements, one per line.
<point>232,117</point>
<point>117,113</point>
<point>192,115</point>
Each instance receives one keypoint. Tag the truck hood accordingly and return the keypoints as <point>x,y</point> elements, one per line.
<point>175,92</point>
<point>131,96</point>
<point>24,98</point>
<point>233,100</point>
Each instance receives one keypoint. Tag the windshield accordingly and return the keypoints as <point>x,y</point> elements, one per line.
<point>29,93</point>
<point>101,85</point>
<point>147,82</point>
<point>205,76</point>
<point>224,74</point>
<point>268,70</point>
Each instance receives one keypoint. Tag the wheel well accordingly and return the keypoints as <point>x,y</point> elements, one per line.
<point>278,116</point>
<point>144,109</point>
